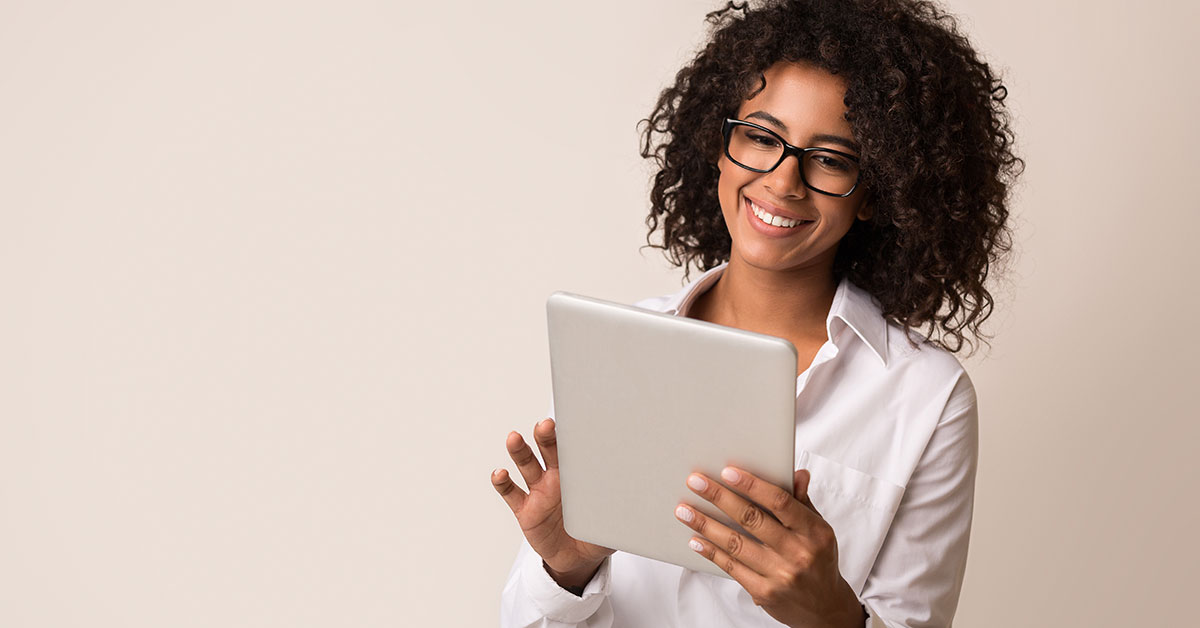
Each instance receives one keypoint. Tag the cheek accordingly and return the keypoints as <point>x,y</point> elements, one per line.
<point>729,186</point>
<point>723,187</point>
<point>843,219</point>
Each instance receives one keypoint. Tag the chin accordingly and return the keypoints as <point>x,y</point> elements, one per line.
<point>765,260</point>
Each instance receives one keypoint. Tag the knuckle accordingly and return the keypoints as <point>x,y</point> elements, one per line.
<point>825,543</point>
<point>825,555</point>
<point>752,517</point>
<point>780,499</point>
<point>523,457</point>
<point>766,596</point>
<point>801,562</point>
<point>734,544</point>
<point>789,577</point>
<point>727,564</point>
<point>821,538</point>
<point>824,539</point>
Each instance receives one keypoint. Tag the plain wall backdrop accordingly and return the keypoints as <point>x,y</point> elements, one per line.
<point>272,279</point>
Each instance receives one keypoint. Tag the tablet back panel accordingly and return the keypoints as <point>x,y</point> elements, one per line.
<point>642,399</point>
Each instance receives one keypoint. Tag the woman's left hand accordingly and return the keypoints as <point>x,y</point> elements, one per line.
<point>791,571</point>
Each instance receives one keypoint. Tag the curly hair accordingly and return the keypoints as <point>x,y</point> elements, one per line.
<point>936,151</point>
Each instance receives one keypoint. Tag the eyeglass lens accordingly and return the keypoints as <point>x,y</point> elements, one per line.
<point>824,171</point>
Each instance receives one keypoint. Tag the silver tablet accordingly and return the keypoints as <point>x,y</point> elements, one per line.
<point>642,399</point>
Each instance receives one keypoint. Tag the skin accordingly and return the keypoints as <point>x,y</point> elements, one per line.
<point>571,562</point>
<point>784,286</point>
<point>781,285</point>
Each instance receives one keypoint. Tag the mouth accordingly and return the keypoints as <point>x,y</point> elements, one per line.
<point>775,218</point>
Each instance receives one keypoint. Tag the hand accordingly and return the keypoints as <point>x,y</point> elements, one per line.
<point>571,562</point>
<point>792,570</point>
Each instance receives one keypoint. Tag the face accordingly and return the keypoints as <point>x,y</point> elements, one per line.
<point>804,105</point>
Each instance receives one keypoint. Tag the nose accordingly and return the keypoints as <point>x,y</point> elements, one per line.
<point>785,179</point>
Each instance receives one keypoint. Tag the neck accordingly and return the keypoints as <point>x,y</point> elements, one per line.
<point>790,304</point>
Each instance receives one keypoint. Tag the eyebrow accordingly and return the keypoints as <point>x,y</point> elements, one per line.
<point>821,137</point>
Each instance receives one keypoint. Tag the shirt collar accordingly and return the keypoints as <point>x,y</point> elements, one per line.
<point>852,307</point>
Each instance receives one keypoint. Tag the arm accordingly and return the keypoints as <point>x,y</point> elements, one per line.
<point>918,573</point>
<point>550,561</point>
<point>532,598</point>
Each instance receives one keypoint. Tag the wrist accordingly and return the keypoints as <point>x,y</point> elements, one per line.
<point>848,613</point>
<point>575,579</point>
<point>854,614</point>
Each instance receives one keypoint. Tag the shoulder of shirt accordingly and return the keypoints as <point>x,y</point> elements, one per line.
<point>924,355</point>
<point>931,363</point>
<point>655,304</point>
<point>919,357</point>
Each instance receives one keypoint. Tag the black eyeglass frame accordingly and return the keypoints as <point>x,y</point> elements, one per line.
<point>788,149</point>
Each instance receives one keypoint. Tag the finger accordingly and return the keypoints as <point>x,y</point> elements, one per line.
<point>779,502</point>
<point>746,551</point>
<point>527,463</point>
<point>512,494</point>
<point>800,482</point>
<point>545,435</point>
<point>748,578</point>
<point>748,515</point>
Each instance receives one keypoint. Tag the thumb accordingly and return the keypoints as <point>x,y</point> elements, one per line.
<point>800,480</point>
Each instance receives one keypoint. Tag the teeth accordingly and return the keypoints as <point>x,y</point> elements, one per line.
<point>772,219</point>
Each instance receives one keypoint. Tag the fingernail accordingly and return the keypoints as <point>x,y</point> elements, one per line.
<point>730,475</point>
<point>684,513</point>
<point>695,545</point>
<point>697,483</point>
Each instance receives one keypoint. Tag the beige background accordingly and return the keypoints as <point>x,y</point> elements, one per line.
<point>272,278</point>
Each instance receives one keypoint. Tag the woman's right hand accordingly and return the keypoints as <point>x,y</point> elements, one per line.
<point>571,562</point>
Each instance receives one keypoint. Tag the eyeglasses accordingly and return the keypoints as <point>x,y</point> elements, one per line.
<point>759,149</point>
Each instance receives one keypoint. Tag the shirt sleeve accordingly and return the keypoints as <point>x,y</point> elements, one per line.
<point>531,598</point>
<point>918,573</point>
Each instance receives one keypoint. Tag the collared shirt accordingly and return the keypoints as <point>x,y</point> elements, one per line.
<point>889,434</point>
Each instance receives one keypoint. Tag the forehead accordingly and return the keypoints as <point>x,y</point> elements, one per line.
<point>806,98</point>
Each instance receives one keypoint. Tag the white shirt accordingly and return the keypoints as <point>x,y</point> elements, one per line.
<point>889,434</point>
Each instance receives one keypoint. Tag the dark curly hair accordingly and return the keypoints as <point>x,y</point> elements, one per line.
<point>936,150</point>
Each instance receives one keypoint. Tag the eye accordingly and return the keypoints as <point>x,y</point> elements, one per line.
<point>762,139</point>
<point>832,162</point>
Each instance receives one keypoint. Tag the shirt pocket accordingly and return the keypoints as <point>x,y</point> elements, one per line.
<point>858,506</point>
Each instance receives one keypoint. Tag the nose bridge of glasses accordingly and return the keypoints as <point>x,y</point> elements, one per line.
<point>794,173</point>
<point>801,156</point>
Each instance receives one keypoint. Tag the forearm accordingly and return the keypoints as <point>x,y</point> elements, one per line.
<point>576,580</point>
<point>532,599</point>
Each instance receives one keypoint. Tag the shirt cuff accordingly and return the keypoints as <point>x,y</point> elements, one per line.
<point>871,620</point>
<point>557,603</point>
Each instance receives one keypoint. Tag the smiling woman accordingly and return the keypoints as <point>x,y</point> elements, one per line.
<point>839,169</point>
<point>803,102</point>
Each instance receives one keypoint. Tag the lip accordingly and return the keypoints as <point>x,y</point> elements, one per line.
<point>772,230</point>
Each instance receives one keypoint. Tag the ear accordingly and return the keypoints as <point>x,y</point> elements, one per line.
<point>867,209</point>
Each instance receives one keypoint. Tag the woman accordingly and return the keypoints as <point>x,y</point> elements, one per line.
<point>839,169</point>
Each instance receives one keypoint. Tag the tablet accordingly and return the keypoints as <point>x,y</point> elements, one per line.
<point>642,399</point>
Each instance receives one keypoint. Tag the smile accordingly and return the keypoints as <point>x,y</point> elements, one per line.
<point>773,220</point>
